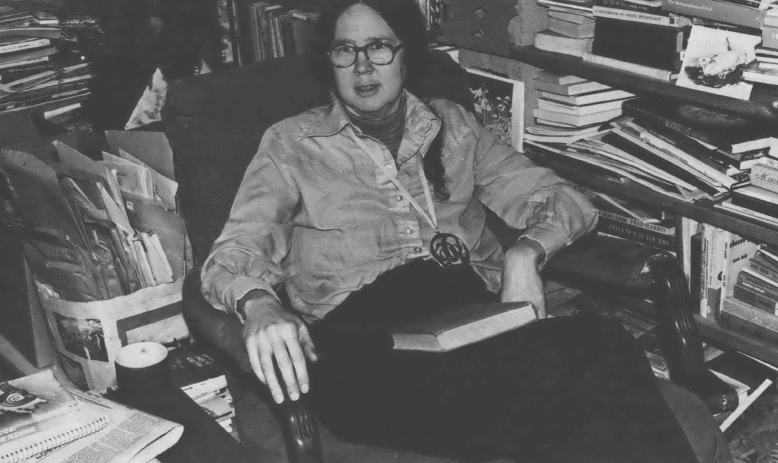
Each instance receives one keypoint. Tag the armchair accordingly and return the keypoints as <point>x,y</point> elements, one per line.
<point>215,123</point>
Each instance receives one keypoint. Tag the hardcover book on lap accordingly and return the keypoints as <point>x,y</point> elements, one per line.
<point>462,326</point>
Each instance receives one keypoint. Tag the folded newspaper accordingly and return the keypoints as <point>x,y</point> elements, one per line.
<point>131,436</point>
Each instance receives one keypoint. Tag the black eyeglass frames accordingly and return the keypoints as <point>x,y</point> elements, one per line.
<point>379,52</point>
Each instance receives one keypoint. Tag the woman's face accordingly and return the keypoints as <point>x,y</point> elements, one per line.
<point>370,90</point>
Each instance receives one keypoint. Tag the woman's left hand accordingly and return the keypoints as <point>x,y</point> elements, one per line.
<point>520,276</point>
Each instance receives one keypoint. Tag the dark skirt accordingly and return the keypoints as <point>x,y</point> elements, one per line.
<point>572,389</point>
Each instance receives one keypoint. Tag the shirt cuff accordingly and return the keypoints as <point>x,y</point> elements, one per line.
<point>239,289</point>
<point>549,237</point>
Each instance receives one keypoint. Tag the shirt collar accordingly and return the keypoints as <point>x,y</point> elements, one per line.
<point>420,121</point>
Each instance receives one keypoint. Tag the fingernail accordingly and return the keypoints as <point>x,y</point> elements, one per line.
<point>294,396</point>
<point>278,398</point>
<point>304,388</point>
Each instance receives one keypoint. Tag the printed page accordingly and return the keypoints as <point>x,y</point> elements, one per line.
<point>132,436</point>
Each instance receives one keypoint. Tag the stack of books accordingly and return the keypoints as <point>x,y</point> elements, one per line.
<point>628,221</point>
<point>674,148</point>
<point>570,27</point>
<point>638,36</point>
<point>268,29</point>
<point>195,370</point>
<point>757,287</point>
<point>764,70</point>
<point>39,68</point>
<point>575,103</point>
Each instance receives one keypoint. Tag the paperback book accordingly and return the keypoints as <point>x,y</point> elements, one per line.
<point>552,41</point>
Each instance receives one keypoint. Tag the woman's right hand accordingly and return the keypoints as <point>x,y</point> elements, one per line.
<point>273,332</point>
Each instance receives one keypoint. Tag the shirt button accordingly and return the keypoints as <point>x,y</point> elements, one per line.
<point>417,249</point>
<point>408,231</point>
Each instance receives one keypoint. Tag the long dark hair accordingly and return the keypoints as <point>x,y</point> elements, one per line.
<point>407,22</point>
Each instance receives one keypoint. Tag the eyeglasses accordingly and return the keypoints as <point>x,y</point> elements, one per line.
<point>379,52</point>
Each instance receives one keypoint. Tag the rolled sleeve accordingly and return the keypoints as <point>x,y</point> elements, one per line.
<point>257,235</point>
<point>529,197</point>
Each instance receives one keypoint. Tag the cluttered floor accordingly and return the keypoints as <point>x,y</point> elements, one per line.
<point>753,438</point>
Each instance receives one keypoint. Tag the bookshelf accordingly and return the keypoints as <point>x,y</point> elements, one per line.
<point>761,105</point>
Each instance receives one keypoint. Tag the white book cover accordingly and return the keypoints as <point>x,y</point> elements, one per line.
<point>714,61</point>
<point>499,105</point>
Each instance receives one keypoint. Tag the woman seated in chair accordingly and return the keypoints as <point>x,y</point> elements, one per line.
<point>369,212</point>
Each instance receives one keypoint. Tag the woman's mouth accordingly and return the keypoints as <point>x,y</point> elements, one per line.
<point>366,90</point>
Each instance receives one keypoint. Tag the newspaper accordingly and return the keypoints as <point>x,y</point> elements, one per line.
<point>132,436</point>
<point>87,335</point>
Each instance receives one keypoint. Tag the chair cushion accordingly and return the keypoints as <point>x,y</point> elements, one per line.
<point>215,122</point>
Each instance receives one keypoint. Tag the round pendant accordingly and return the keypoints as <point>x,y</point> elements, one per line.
<point>448,250</point>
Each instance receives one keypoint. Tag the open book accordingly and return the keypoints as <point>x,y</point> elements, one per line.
<point>462,326</point>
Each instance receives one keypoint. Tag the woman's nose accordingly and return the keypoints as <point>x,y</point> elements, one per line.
<point>362,65</point>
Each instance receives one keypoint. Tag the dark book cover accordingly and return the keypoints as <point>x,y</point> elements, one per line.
<point>711,158</point>
<point>763,268</point>
<point>193,364</point>
<point>715,10</point>
<point>634,42</point>
<point>740,197</point>
<point>769,290</point>
<point>754,298</point>
<point>729,132</point>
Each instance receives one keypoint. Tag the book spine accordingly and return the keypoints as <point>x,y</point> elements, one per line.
<point>634,68</point>
<point>764,177</point>
<point>717,11</point>
<point>637,16</point>
<point>754,299</point>
<point>770,37</point>
<point>637,223</point>
<point>627,5</point>
<point>586,87</point>
<point>637,234</point>
<point>688,147</point>
<point>26,45</point>
<point>706,264</point>
<point>693,163</point>
<point>766,271</point>
<point>726,268</point>
<point>624,139</point>
<point>760,286</point>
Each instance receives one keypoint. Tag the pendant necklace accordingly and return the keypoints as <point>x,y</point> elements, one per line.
<point>447,249</point>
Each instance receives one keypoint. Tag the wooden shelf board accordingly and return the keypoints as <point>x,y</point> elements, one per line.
<point>631,191</point>
<point>711,331</point>
<point>762,105</point>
